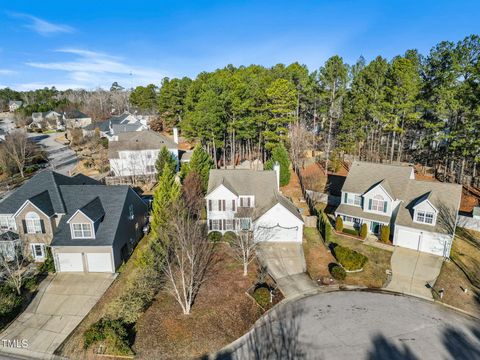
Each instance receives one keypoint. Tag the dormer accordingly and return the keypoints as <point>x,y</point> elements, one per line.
<point>379,198</point>
<point>424,212</point>
<point>84,222</point>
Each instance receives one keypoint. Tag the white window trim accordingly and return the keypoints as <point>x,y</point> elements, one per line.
<point>244,199</point>
<point>42,249</point>
<point>417,213</point>
<point>33,223</point>
<point>72,230</point>
<point>7,222</point>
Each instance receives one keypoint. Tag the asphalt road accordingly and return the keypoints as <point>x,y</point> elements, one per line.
<point>360,325</point>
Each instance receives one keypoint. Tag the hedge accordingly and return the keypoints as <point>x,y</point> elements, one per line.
<point>10,304</point>
<point>214,236</point>
<point>364,231</point>
<point>339,224</point>
<point>350,232</point>
<point>262,296</point>
<point>229,237</point>
<point>338,272</point>
<point>385,234</point>
<point>324,226</point>
<point>350,259</point>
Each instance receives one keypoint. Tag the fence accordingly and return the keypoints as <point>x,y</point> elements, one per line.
<point>468,222</point>
<point>129,180</point>
<point>323,198</point>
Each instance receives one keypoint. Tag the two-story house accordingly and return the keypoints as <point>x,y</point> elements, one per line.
<point>75,119</point>
<point>14,105</point>
<point>89,226</point>
<point>250,200</point>
<point>389,195</point>
<point>47,120</point>
<point>135,153</point>
<point>112,127</point>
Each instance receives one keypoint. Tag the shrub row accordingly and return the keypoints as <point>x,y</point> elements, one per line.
<point>114,333</point>
<point>216,236</point>
<point>350,259</point>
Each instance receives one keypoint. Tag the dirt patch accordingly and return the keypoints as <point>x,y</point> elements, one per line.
<point>293,191</point>
<point>317,256</point>
<point>470,199</point>
<point>221,314</point>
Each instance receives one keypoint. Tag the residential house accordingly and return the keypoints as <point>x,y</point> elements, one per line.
<point>135,153</point>
<point>110,128</point>
<point>49,120</point>
<point>75,119</point>
<point>14,105</point>
<point>250,200</point>
<point>421,214</point>
<point>89,226</point>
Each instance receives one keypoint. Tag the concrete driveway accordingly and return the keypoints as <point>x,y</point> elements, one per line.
<point>359,325</point>
<point>412,271</point>
<point>285,262</point>
<point>62,301</point>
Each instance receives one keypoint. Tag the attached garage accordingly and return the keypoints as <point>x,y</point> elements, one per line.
<point>429,242</point>
<point>99,262</point>
<point>278,224</point>
<point>69,262</point>
<point>276,233</point>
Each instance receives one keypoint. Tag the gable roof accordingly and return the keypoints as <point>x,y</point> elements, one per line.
<point>16,102</point>
<point>363,175</point>
<point>139,140</point>
<point>74,114</point>
<point>261,184</point>
<point>94,209</point>
<point>119,128</point>
<point>43,185</point>
<point>104,126</point>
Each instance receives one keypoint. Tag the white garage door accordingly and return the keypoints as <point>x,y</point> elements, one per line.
<point>99,262</point>
<point>70,262</point>
<point>276,233</point>
<point>434,244</point>
<point>408,238</point>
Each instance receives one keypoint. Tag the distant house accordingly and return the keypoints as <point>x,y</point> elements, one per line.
<point>75,119</point>
<point>135,153</point>
<point>49,120</point>
<point>90,227</point>
<point>14,105</point>
<point>250,200</point>
<point>110,128</point>
<point>421,214</point>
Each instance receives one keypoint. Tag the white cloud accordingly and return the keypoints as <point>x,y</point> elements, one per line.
<point>41,85</point>
<point>92,69</point>
<point>7,72</point>
<point>41,26</point>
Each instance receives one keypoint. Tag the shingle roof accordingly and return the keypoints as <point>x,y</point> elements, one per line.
<point>46,181</point>
<point>104,126</point>
<point>8,236</point>
<point>75,114</point>
<point>120,128</point>
<point>139,140</point>
<point>261,184</point>
<point>43,202</point>
<point>94,209</point>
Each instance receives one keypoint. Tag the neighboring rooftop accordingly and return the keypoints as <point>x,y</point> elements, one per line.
<point>139,140</point>
<point>75,114</point>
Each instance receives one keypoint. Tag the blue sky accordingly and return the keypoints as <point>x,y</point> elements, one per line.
<point>86,43</point>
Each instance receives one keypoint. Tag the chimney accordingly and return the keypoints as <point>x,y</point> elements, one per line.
<point>175,135</point>
<point>276,168</point>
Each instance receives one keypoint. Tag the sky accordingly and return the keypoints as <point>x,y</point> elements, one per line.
<point>92,43</point>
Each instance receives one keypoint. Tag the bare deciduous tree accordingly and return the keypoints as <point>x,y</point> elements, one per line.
<point>243,247</point>
<point>16,146</point>
<point>13,263</point>
<point>301,140</point>
<point>192,193</point>
<point>188,255</point>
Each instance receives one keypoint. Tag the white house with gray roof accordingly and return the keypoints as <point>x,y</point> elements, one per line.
<point>421,214</point>
<point>135,153</point>
<point>89,227</point>
<point>116,125</point>
<point>250,200</point>
<point>14,105</point>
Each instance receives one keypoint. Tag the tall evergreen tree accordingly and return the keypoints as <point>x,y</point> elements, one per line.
<point>201,163</point>
<point>165,158</point>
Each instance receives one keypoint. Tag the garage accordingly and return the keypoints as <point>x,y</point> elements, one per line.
<point>432,243</point>
<point>276,233</point>
<point>99,262</point>
<point>70,262</point>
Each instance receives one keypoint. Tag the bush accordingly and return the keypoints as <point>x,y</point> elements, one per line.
<point>10,304</point>
<point>262,296</point>
<point>112,332</point>
<point>364,231</point>
<point>385,234</point>
<point>350,259</point>
<point>48,266</point>
<point>214,236</point>
<point>339,224</point>
<point>324,226</point>
<point>31,283</point>
<point>338,272</point>
<point>229,236</point>
<point>350,232</point>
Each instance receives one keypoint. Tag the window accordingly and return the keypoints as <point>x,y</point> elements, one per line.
<point>215,224</point>
<point>82,231</point>
<point>7,222</point>
<point>424,217</point>
<point>357,200</point>
<point>33,223</point>
<point>246,201</point>
<point>244,223</point>
<point>378,204</point>
<point>38,251</point>
<point>149,154</point>
<point>150,169</point>
<point>352,199</point>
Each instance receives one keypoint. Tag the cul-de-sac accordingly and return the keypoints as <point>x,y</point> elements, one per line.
<point>239,180</point>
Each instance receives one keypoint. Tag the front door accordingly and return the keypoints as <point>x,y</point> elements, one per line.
<point>374,227</point>
<point>38,251</point>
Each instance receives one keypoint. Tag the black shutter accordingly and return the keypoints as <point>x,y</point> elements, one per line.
<point>224,205</point>
<point>233,205</point>
<point>224,226</point>
<point>219,205</point>
<point>210,223</point>
<point>234,221</point>
<point>248,201</point>
<point>24,223</point>
<point>42,226</point>
<point>209,205</point>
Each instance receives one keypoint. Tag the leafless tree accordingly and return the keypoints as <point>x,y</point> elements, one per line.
<point>188,255</point>
<point>244,247</point>
<point>17,147</point>
<point>301,140</point>
<point>13,263</point>
<point>192,193</point>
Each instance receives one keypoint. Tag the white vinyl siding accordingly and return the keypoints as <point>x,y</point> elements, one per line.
<point>7,222</point>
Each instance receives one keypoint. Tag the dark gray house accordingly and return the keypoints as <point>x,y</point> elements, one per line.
<point>89,226</point>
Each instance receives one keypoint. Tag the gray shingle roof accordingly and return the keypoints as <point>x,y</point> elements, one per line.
<point>261,184</point>
<point>43,202</point>
<point>74,114</point>
<point>94,209</point>
<point>139,140</point>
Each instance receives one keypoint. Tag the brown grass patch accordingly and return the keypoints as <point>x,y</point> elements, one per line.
<point>317,256</point>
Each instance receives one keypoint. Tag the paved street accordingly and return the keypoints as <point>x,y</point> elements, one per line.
<point>62,301</point>
<point>412,270</point>
<point>285,262</point>
<point>360,325</point>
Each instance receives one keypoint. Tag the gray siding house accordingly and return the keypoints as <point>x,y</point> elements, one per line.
<point>89,227</point>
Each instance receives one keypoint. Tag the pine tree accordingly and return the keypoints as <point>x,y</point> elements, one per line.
<point>165,158</point>
<point>280,155</point>
<point>201,163</point>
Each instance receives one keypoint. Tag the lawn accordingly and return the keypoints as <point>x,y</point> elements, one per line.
<point>317,256</point>
<point>374,272</point>
<point>222,312</point>
<point>463,271</point>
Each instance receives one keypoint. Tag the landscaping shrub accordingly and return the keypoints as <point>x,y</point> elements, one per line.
<point>385,234</point>
<point>48,266</point>
<point>339,224</point>
<point>262,296</point>
<point>338,272</point>
<point>324,226</point>
<point>10,304</point>
<point>31,283</point>
<point>350,232</point>
<point>364,231</point>
<point>350,259</point>
<point>113,333</point>
<point>229,236</point>
<point>214,236</point>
